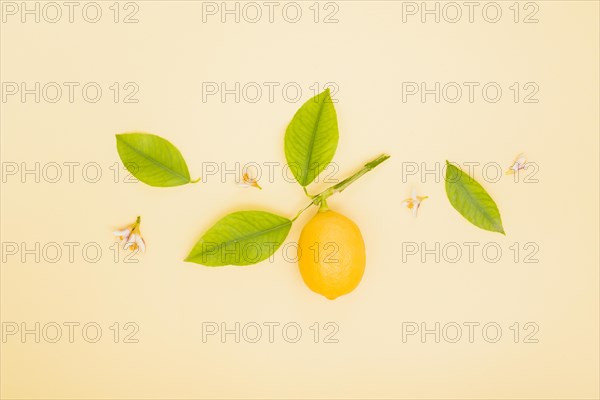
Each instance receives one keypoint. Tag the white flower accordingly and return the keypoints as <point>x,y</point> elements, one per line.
<point>414,202</point>
<point>519,164</point>
<point>132,237</point>
<point>123,234</point>
<point>247,181</point>
<point>135,242</point>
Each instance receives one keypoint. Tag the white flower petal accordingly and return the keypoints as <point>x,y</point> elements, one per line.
<point>125,232</point>
<point>141,244</point>
<point>131,241</point>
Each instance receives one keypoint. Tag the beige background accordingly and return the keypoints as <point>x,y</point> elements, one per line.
<point>369,53</point>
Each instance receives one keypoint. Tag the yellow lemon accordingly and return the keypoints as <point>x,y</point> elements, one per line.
<point>331,254</point>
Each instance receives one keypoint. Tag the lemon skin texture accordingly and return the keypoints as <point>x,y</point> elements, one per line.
<point>332,255</point>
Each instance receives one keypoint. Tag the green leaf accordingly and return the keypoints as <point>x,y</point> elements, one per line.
<point>471,200</point>
<point>152,159</point>
<point>312,138</point>
<point>241,238</point>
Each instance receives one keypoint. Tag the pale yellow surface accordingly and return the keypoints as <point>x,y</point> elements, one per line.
<point>369,53</point>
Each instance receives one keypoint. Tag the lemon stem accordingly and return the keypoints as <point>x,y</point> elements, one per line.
<point>321,198</point>
<point>323,207</point>
<point>348,181</point>
<point>301,211</point>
